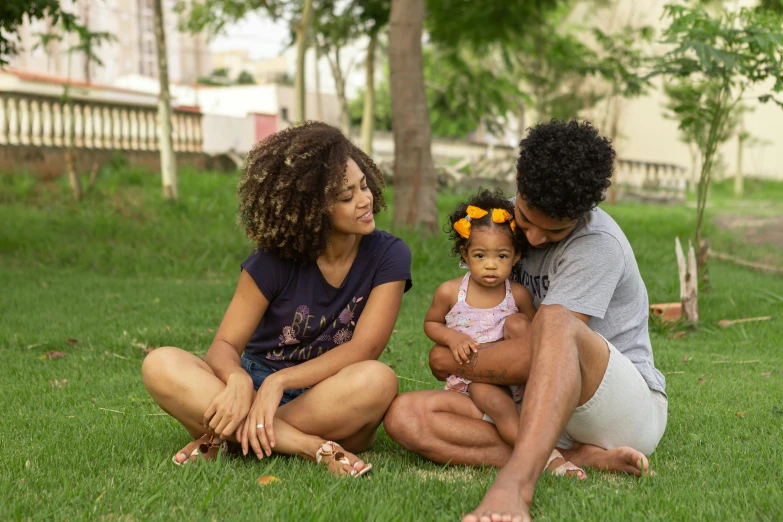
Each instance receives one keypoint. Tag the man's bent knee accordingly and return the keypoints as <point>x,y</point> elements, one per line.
<point>402,420</point>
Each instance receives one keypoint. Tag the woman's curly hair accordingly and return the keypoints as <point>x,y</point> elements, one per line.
<point>484,199</point>
<point>564,168</point>
<point>291,180</point>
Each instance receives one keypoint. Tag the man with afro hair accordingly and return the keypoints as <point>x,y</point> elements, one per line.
<point>591,387</point>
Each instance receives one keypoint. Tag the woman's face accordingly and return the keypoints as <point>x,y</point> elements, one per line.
<point>352,210</point>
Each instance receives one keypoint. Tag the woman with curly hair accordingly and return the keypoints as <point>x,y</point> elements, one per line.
<point>293,367</point>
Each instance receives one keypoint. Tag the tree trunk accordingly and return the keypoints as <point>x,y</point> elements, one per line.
<point>301,48</point>
<point>415,184</point>
<point>70,131</point>
<point>368,117</point>
<point>339,84</point>
<point>689,288</point>
<point>319,106</point>
<point>168,161</point>
<point>739,184</point>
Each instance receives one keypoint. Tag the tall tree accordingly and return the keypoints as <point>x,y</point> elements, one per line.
<point>87,42</point>
<point>374,17</point>
<point>334,27</point>
<point>722,56</point>
<point>168,160</point>
<point>481,26</point>
<point>302,30</point>
<point>414,176</point>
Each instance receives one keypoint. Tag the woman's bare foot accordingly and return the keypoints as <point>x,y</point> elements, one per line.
<point>339,461</point>
<point>501,504</point>
<point>619,460</point>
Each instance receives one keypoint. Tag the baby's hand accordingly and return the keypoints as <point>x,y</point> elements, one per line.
<point>462,346</point>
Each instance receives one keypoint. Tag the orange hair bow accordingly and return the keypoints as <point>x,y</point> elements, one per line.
<point>498,216</point>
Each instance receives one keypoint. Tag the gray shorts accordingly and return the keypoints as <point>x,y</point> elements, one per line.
<point>624,411</point>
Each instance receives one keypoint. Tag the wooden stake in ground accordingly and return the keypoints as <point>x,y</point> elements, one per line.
<point>689,281</point>
<point>168,162</point>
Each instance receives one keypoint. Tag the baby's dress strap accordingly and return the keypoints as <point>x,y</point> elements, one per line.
<point>463,288</point>
<point>510,301</point>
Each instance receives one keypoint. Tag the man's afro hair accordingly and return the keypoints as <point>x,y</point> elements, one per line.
<point>564,168</point>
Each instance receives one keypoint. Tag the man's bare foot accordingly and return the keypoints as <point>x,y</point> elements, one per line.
<point>619,460</point>
<point>500,504</point>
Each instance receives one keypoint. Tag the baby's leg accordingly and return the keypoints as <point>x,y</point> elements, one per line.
<point>496,402</point>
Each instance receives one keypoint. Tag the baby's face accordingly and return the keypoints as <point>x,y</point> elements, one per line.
<point>490,255</point>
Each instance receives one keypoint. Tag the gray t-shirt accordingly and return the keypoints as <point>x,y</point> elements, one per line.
<point>593,271</point>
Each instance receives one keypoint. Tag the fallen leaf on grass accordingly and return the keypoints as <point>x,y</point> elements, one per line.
<point>54,355</point>
<point>766,374</point>
<point>149,350</point>
<point>27,464</point>
<point>168,328</point>
<point>421,363</point>
<point>702,381</point>
<point>72,341</point>
<point>267,479</point>
<point>740,414</point>
<point>723,323</point>
<point>58,383</point>
<point>106,352</point>
<point>686,359</point>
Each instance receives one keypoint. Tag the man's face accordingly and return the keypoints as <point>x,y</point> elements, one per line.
<point>541,230</point>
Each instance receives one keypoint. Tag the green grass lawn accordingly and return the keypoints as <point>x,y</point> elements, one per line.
<point>123,270</point>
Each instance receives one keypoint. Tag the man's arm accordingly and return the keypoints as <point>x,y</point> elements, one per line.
<point>505,362</point>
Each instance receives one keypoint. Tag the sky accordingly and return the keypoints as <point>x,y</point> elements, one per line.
<point>261,37</point>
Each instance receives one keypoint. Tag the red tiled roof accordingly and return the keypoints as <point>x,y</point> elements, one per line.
<point>59,80</point>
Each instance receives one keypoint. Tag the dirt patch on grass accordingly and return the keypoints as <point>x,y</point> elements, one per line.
<point>753,230</point>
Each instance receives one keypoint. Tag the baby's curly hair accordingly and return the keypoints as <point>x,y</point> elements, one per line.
<point>485,199</point>
<point>291,180</point>
<point>564,168</point>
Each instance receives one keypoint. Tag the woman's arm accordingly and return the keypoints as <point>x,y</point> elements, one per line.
<point>240,321</point>
<point>523,300</point>
<point>229,408</point>
<point>372,332</point>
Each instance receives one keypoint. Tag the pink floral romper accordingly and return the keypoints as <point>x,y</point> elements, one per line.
<point>484,325</point>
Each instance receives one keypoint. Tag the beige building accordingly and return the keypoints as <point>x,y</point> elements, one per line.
<point>133,51</point>
<point>644,132</point>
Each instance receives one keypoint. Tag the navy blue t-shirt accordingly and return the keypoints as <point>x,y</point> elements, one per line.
<point>307,316</point>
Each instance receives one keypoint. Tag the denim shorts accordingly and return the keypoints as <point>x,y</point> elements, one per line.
<point>259,371</point>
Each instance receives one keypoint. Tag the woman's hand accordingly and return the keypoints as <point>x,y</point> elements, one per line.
<point>462,346</point>
<point>229,407</point>
<point>262,413</point>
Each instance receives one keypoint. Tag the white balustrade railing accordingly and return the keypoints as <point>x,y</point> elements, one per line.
<point>44,121</point>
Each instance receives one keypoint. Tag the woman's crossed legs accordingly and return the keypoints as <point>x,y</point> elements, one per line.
<point>346,408</point>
